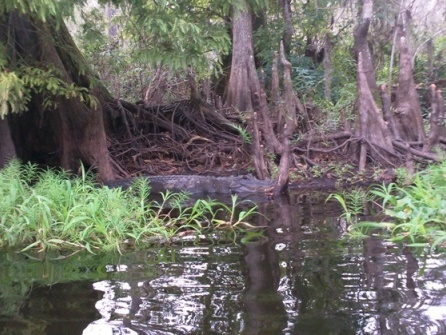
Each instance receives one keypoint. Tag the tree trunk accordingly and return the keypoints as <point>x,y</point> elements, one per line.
<point>243,80</point>
<point>371,123</point>
<point>7,148</point>
<point>437,129</point>
<point>408,109</point>
<point>328,47</point>
<point>291,106</point>
<point>275,82</point>
<point>288,25</point>
<point>430,59</point>
<point>244,85</point>
<point>389,117</point>
<point>372,128</point>
<point>362,46</point>
<point>72,132</point>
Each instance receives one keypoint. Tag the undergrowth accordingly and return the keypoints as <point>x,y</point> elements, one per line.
<point>48,209</point>
<point>413,211</point>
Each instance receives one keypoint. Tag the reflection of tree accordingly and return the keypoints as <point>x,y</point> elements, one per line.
<point>300,280</point>
<point>194,290</point>
<point>312,286</point>
<point>265,312</point>
<point>38,295</point>
<point>396,300</point>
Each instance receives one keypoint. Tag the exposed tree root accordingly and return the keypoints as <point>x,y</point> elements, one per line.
<point>191,137</point>
<point>185,137</point>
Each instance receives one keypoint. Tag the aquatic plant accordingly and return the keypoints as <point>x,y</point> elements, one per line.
<point>352,203</point>
<point>230,211</point>
<point>414,213</point>
<point>48,209</point>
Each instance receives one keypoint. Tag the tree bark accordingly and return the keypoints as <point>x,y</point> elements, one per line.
<point>408,109</point>
<point>362,46</point>
<point>437,129</point>
<point>389,117</point>
<point>288,25</point>
<point>244,85</point>
<point>328,47</point>
<point>275,90</point>
<point>7,148</point>
<point>257,156</point>
<point>243,80</point>
<point>73,131</point>
<point>286,130</point>
<point>371,125</point>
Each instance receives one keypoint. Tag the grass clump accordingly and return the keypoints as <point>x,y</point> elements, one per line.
<point>47,210</point>
<point>414,213</point>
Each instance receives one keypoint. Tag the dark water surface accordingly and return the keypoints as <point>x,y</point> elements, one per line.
<point>303,278</point>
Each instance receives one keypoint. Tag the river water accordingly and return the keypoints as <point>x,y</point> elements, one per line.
<point>302,277</point>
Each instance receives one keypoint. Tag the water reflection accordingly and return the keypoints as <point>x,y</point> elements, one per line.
<point>301,279</point>
<point>264,309</point>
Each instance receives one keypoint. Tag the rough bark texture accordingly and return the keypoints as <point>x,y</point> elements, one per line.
<point>430,58</point>
<point>288,25</point>
<point>389,117</point>
<point>362,46</point>
<point>371,123</point>
<point>372,128</point>
<point>437,129</point>
<point>257,156</point>
<point>275,93</point>
<point>408,109</point>
<point>244,86</point>
<point>72,133</point>
<point>328,47</point>
<point>243,81</point>
<point>7,149</point>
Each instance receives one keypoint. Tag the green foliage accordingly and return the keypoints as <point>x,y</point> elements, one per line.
<point>184,35</point>
<point>415,213</point>
<point>243,132</point>
<point>306,76</point>
<point>342,105</point>
<point>14,97</point>
<point>428,73</point>
<point>266,39</point>
<point>312,18</point>
<point>21,77</point>
<point>42,9</point>
<point>46,210</point>
<point>402,176</point>
<point>17,87</point>
<point>92,36</point>
<point>173,37</point>
<point>352,203</point>
<point>234,221</point>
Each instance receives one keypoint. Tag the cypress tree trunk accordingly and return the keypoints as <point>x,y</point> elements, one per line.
<point>408,109</point>
<point>370,121</point>
<point>288,24</point>
<point>72,132</point>
<point>7,148</point>
<point>243,80</point>
<point>244,85</point>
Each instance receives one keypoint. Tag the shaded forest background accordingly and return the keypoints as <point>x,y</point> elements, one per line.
<point>286,89</point>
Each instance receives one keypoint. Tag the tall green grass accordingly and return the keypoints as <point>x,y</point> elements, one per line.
<point>413,212</point>
<point>48,209</point>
